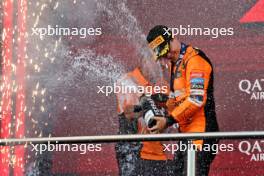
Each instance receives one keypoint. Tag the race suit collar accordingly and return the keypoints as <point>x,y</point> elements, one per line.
<point>177,64</point>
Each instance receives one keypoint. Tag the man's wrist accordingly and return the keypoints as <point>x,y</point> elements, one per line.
<point>170,120</point>
<point>137,108</point>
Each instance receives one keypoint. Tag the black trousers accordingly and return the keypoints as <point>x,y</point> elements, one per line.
<point>128,155</point>
<point>203,161</point>
<point>154,168</point>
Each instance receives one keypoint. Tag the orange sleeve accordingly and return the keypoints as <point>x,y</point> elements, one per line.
<point>197,79</point>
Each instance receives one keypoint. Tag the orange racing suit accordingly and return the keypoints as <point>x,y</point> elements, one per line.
<point>149,150</point>
<point>134,158</point>
<point>191,104</point>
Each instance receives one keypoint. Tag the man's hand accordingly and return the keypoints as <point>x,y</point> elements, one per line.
<point>160,125</point>
<point>144,130</point>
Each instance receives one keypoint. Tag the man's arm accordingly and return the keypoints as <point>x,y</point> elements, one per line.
<point>197,79</point>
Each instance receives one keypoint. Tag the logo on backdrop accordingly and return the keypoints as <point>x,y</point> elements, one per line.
<point>255,14</point>
<point>254,149</point>
<point>255,88</point>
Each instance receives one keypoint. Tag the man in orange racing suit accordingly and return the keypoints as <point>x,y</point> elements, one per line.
<point>134,158</point>
<point>191,102</point>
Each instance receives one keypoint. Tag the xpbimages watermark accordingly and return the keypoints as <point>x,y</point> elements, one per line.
<point>253,149</point>
<point>199,31</point>
<point>81,148</point>
<point>182,146</point>
<point>65,31</point>
<point>131,89</point>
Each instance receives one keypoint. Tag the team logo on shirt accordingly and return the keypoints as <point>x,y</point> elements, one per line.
<point>197,83</point>
<point>197,75</point>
